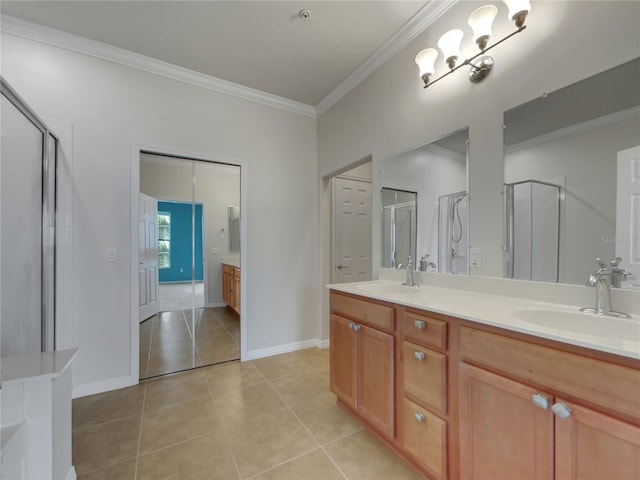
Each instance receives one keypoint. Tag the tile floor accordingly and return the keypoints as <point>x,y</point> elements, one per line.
<point>170,342</point>
<point>268,419</point>
<point>180,296</point>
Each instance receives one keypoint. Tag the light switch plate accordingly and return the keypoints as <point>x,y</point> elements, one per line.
<point>475,257</point>
<point>112,254</point>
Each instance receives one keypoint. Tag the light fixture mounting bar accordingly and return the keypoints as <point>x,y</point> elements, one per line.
<point>471,59</point>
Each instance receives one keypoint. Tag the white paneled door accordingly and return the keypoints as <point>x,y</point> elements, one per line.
<point>628,214</point>
<point>148,256</point>
<point>351,230</point>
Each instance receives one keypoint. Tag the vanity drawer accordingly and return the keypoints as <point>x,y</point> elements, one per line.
<point>590,379</point>
<point>375,314</point>
<point>425,376</point>
<point>425,330</point>
<point>425,438</point>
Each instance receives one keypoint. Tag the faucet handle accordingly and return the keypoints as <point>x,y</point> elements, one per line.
<point>601,263</point>
<point>616,261</point>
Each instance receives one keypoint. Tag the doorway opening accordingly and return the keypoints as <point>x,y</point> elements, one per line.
<point>184,246</point>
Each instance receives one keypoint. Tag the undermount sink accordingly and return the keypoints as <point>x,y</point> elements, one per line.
<point>383,289</point>
<point>582,323</point>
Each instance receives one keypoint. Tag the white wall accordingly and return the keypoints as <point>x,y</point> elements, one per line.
<point>390,112</point>
<point>113,107</point>
<point>587,163</point>
<point>217,187</point>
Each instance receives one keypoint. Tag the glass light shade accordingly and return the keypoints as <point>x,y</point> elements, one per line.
<point>518,8</point>
<point>449,43</point>
<point>481,21</point>
<point>426,60</point>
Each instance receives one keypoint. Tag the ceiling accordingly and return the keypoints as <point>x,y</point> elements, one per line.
<point>264,45</point>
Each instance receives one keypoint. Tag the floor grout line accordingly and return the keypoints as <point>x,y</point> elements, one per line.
<point>144,399</point>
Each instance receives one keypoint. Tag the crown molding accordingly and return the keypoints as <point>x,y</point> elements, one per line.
<point>414,27</point>
<point>51,36</point>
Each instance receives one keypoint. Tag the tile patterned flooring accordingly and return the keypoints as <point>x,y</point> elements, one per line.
<point>267,419</point>
<point>167,340</point>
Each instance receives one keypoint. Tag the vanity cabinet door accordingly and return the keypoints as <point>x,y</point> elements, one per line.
<point>343,360</point>
<point>503,434</point>
<point>376,378</point>
<point>591,445</point>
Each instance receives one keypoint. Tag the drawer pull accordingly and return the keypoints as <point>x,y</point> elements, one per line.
<point>561,410</point>
<point>419,356</point>
<point>540,401</point>
<point>419,324</point>
<point>419,417</point>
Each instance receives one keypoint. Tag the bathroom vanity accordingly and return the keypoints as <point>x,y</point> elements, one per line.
<point>231,286</point>
<point>470,385</point>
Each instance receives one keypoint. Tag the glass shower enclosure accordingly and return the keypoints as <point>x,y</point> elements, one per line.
<point>532,243</point>
<point>399,227</point>
<point>453,233</point>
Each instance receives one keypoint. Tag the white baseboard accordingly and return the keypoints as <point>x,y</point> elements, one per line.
<point>216,304</point>
<point>103,386</point>
<point>72,474</point>
<point>286,348</point>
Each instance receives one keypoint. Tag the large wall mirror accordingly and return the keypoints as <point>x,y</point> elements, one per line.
<point>430,184</point>
<point>572,180</point>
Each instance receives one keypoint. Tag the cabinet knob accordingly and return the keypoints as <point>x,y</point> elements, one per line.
<point>351,326</point>
<point>540,401</point>
<point>419,324</point>
<point>419,417</point>
<point>356,327</point>
<point>561,410</point>
<point>419,356</point>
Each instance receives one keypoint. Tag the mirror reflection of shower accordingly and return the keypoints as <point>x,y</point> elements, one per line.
<point>453,233</point>
<point>532,230</point>
<point>399,227</point>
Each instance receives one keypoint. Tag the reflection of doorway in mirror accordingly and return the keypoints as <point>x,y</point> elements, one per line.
<point>627,237</point>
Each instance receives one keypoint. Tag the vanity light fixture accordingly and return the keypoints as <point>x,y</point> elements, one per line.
<point>480,21</point>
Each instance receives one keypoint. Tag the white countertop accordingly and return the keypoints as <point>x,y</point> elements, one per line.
<point>47,364</point>
<point>561,322</point>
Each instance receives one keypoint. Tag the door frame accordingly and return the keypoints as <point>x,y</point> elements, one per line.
<point>136,150</point>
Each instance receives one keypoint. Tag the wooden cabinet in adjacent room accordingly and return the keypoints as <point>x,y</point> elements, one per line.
<point>231,287</point>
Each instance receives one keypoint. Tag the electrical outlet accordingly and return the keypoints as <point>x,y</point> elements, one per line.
<point>475,257</point>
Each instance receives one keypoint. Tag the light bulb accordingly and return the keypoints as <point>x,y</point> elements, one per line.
<point>518,10</point>
<point>426,60</point>
<point>480,22</point>
<point>449,43</point>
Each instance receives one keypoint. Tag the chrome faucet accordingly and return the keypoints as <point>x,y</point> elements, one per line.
<point>618,275</point>
<point>425,264</point>
<point>601,280</point>
<point>410,282</point>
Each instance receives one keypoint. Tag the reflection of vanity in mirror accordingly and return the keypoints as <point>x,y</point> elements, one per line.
<point>425,207</point>
<point>572,174</point>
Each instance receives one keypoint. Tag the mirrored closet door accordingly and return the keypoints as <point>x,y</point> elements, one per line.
<point>188,231</point>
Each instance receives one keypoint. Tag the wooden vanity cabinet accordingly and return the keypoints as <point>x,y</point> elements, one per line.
<point>362,360</point>
<point>423,383</point>
<point>231,287</point>
<point>523,412</point>
<point>462,400</point>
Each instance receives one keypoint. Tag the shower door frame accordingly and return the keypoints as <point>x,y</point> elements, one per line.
<point>48,217</point>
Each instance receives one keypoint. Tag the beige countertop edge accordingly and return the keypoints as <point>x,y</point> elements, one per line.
<point>496,311</point>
